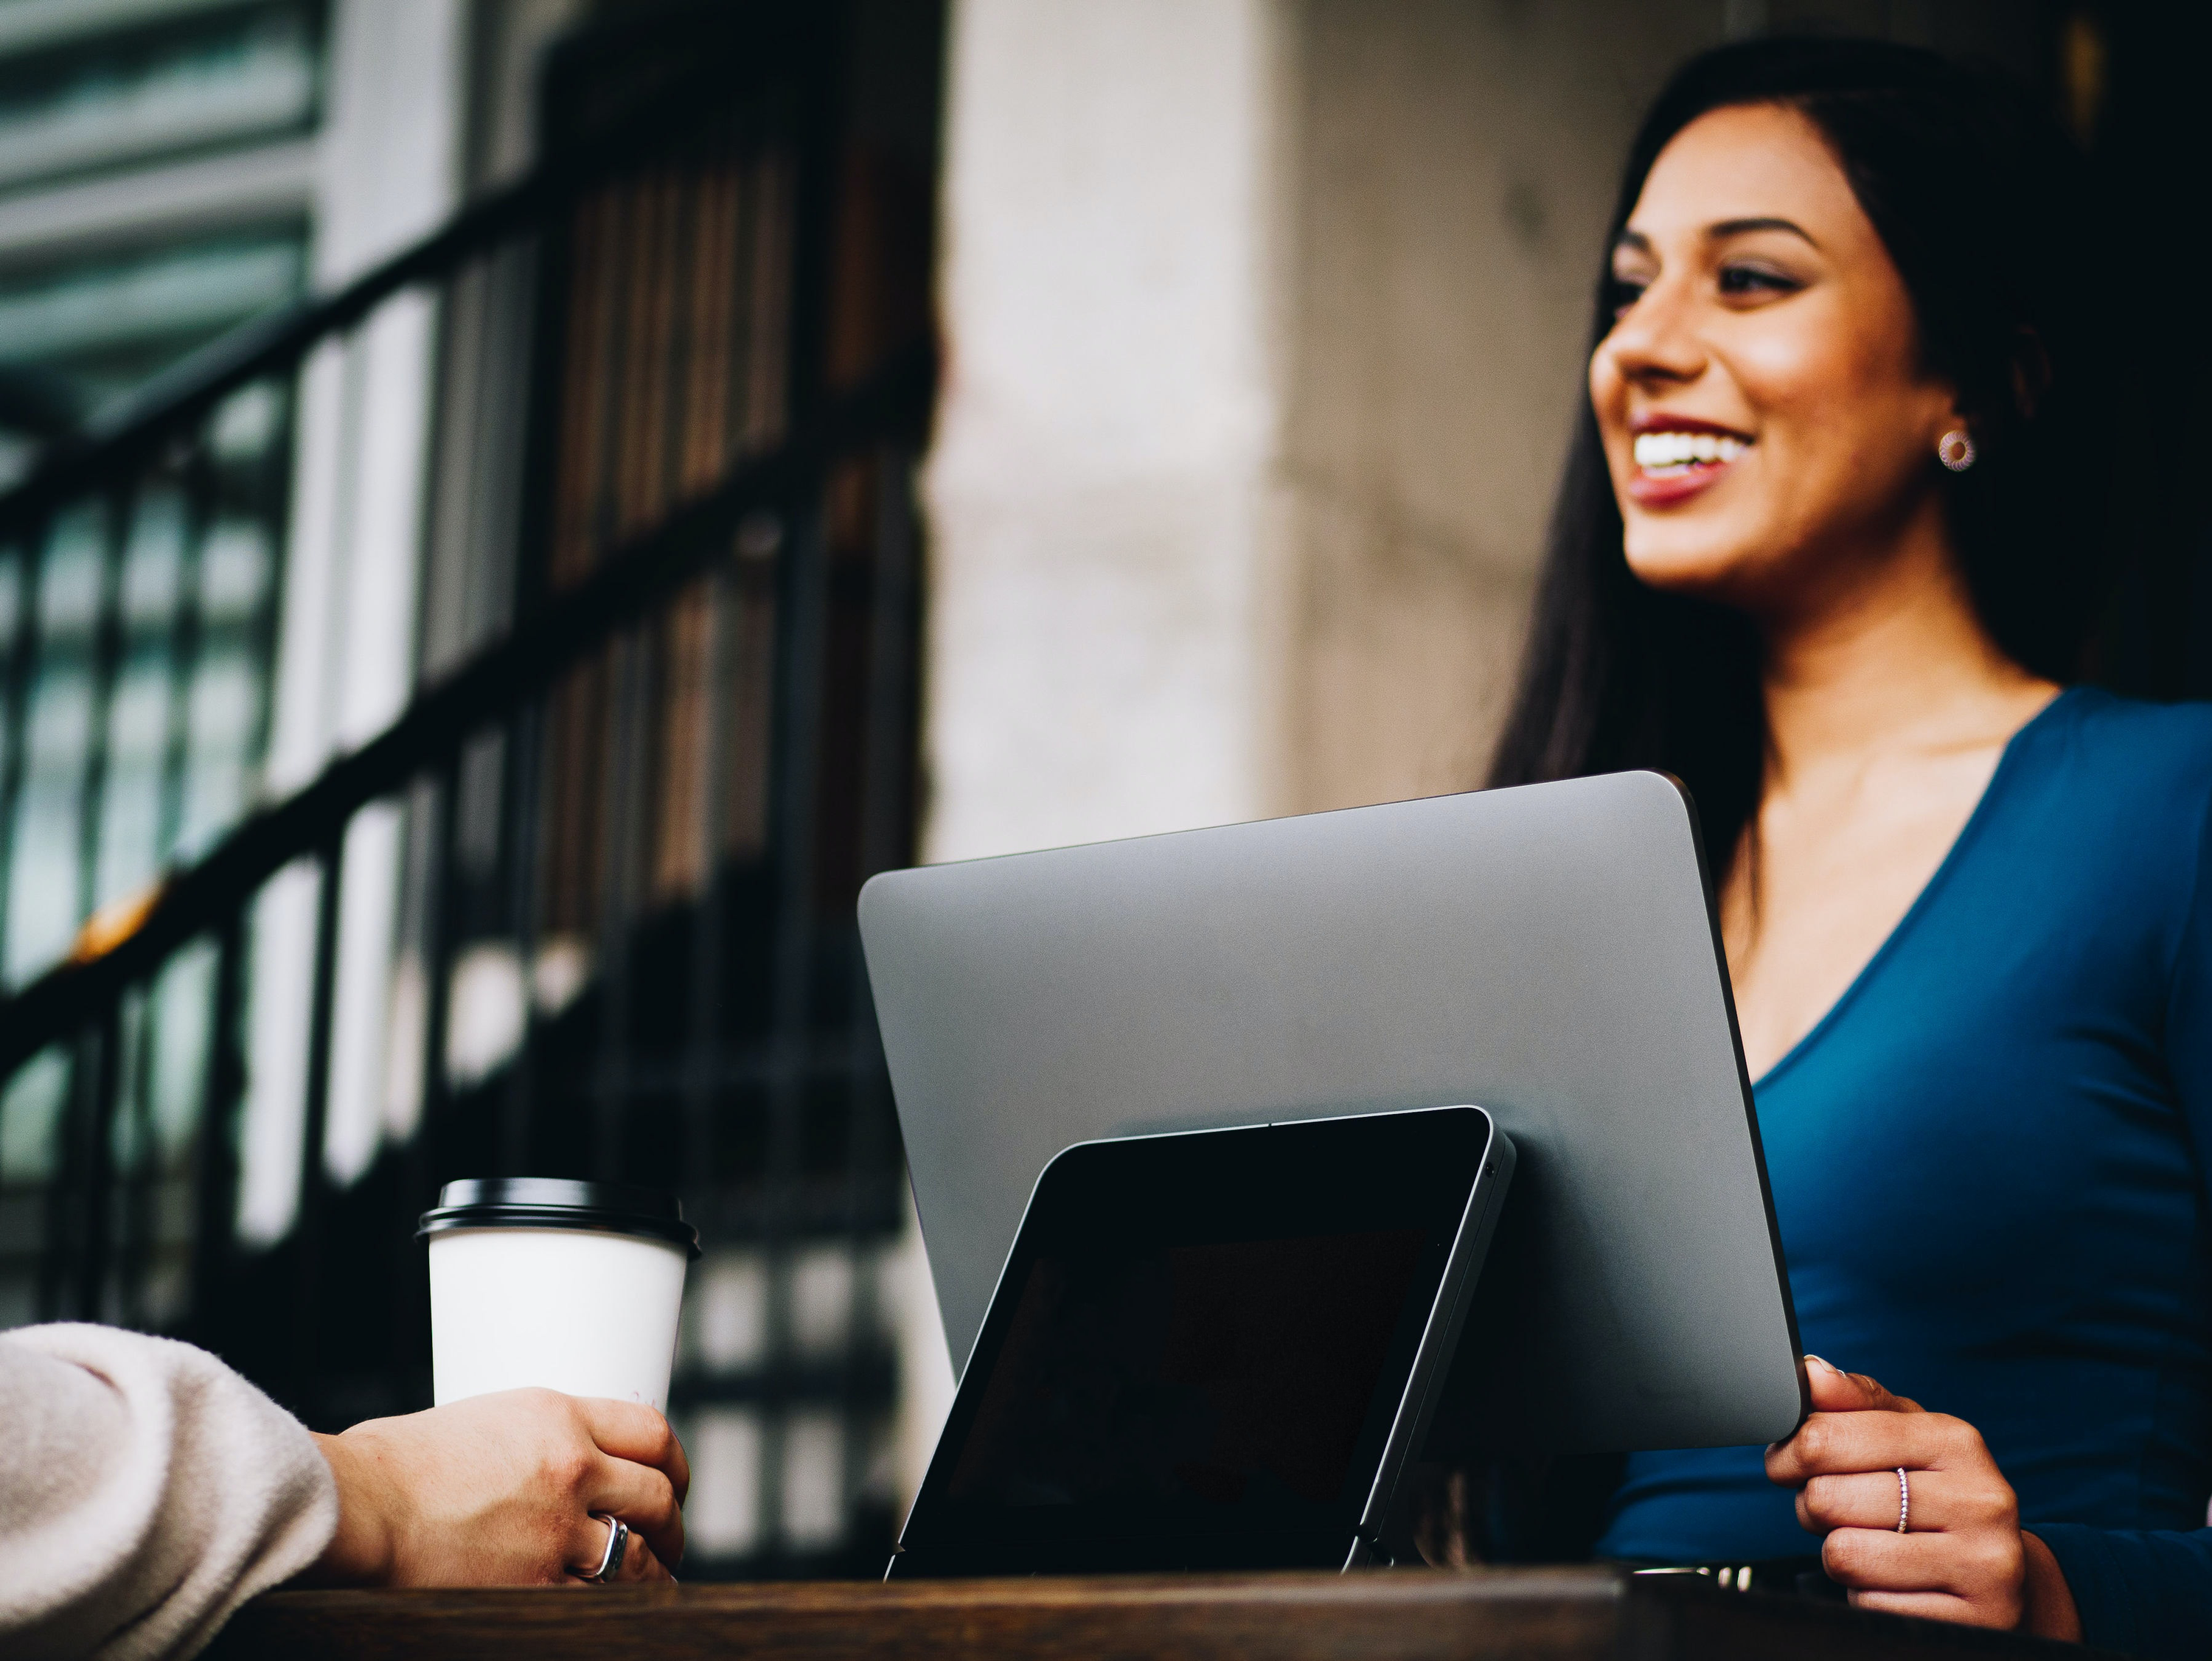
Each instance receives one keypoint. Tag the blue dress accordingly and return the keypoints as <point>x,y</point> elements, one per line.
<point>1988,1166</point>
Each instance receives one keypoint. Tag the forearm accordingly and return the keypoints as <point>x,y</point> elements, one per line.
<point>2142,1591</point>
<point>2050,1611</point>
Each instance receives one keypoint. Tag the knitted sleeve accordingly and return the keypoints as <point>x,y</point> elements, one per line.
<point>146,1491</point>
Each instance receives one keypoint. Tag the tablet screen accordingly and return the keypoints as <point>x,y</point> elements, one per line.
<point>1217,1374</point>
<point>1202,1335</point>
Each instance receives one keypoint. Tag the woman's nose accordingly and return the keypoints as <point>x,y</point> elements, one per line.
<point>1654,342</point>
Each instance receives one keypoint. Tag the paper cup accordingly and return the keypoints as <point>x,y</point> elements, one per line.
<point>573,1286</point>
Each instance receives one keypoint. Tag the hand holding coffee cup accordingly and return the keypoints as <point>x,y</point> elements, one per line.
<point>462,1495</point>
<point>554,1306</point>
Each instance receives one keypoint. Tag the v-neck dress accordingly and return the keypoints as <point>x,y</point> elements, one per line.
<point>1987,1163</point>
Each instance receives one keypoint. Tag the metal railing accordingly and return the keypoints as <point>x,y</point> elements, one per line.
<point>628,826</point>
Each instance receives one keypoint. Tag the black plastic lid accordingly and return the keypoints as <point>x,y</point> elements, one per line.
<point>608,1208</point>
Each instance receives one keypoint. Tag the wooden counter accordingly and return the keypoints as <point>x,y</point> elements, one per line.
<point>1394,1615</point>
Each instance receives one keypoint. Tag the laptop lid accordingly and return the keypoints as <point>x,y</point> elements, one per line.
<point>1212,1349</point>
<point>1550,952</point>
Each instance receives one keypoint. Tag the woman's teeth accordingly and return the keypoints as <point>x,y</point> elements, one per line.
<point>1666,453</point>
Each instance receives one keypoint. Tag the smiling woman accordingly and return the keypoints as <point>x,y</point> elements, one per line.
<point>1827,549</point>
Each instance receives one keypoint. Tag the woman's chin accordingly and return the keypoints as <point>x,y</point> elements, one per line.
<point>1702,569</point>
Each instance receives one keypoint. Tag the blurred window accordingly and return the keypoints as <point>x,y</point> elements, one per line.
<point>185,78</point>
<point>77,333</point>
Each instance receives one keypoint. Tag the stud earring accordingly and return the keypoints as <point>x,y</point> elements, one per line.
<point>1956,450</point>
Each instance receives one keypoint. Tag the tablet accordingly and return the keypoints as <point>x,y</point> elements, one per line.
<point>1213,1350</point>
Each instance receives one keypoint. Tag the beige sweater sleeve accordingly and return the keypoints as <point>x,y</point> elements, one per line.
<point>146,1491</point>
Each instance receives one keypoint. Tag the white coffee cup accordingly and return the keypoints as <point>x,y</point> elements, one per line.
<point>573,1286</point>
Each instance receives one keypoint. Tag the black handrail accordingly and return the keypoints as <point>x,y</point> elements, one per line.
<point>499,679</point>
<point>652,797</point>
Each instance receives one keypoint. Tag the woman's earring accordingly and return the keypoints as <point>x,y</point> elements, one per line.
<point>1955,449</point>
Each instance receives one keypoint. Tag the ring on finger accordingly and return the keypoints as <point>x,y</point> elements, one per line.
<point>610,1561</point>
<point>1903,1502</point>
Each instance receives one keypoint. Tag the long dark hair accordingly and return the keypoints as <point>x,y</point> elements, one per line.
<point>1980,200</point>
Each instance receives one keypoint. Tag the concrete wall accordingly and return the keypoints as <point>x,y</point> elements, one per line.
<point>1098,489</point>
<point>1454,164</point>
<point>1266,321</point>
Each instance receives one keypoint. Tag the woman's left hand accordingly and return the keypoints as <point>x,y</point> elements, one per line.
<point>1964,1558</point>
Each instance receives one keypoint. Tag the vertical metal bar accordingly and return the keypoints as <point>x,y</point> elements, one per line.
<point>140,1174</point>
<point>184,650</point>
<point>797,768</point>
<point>796,758</point>
<point>430,837</point>
<point>626,218</point>
<point>442,919</point>
<point>620,509</point>
<point>687,179</point>
<point>678,706</point>
<point>81,1212</point>
<point>704,1067</point>
<point>314,1119</point>
<point>120,508</point>
<point>544,273</point>
<point>623,209</point>
<point>500,456</point>
<point>746,233</point>
<point>64,1249</point>
<point>886,739</point>
<point>549,256</point>
<point>182,655</point>
<point>73,1269</point>
<point>444,623</point>
<point>820,120</point>
<point>423,1168</point>
<point>888,731</point>
<point>98,1198</point>
<point>24,651</point>
<point>216,1178</point>
<point>525,762</point>
<point>626,778</point>
<point>276,481</point>
<point>79,1216</point>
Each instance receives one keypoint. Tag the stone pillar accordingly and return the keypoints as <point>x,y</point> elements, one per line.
<point>1099,495</point>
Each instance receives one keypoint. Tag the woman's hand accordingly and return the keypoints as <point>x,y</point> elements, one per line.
<point>497,1491</point>
<point>1965,1558</point>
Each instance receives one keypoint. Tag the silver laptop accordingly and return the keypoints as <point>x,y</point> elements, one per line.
<point>1550,952</point>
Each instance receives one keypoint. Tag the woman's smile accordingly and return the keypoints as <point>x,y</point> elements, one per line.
<point>1749,287</point>
<point>1678,457</point>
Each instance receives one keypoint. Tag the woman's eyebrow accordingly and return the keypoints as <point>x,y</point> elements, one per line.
<point>1728,227</point>
<point>1634,240</point>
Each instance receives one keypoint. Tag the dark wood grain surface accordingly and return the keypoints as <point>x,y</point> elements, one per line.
<point>1404,1615</point>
